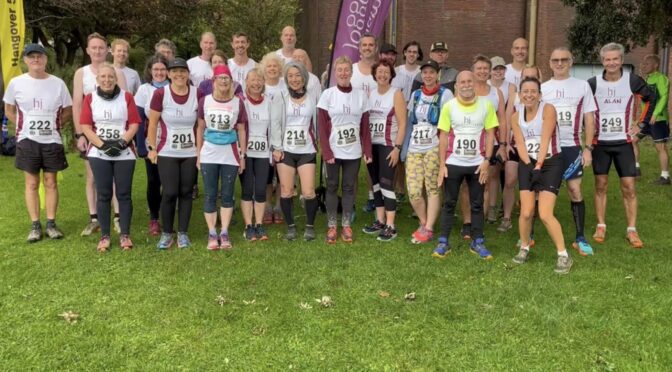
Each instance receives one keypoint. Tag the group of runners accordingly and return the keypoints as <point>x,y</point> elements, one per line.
<point>421,128</point>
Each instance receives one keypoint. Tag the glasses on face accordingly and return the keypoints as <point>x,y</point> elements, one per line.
<point>159,70</point>
<point>223,78</point>
<point>559,60</point>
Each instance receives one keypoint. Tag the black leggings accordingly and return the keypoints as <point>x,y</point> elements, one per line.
<point>451,190</point>
<point>382,178</point>
<point>177,178</point>
<point>105,173</point>
<point>153,189</point>
<point>345,171</point>
<point>254,179</point>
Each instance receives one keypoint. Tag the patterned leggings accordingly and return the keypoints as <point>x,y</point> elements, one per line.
<point>422,170</point>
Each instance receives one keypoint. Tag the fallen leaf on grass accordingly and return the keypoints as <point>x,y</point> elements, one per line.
<point>409,296</point>
<point>69,316</point>
<point>629,277</point>
<point>325,301</point>
<point>251,302</point>
<point>221,300</point>
<point>305,306</point>
<point>383,294</point>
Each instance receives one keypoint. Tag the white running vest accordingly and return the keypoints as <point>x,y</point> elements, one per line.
<point>109,122</point>
<point>615,102</point>
<point>299,136</point>
<point>178,122</point>
<point>259,121</point>
<point>382,120</point>
<point>532,133</point>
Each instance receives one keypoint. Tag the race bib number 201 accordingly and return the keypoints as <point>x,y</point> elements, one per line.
<point>182,138</point>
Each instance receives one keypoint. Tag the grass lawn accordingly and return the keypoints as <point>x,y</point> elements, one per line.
<point>198,310</point>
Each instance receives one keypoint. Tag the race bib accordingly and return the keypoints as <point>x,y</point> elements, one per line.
<point>182,138</point>
<point>377,128</point>
<point>423,134</point>
<point>257,146</point>
<point>40,124</point>
<point>467,145</point>
<point>295,138</point>
<point>566,115</point>
<point>347,135</point>
<point>109,130</point>
<point>533,146</point>
<point>219,119</point>
<point>612,122</point>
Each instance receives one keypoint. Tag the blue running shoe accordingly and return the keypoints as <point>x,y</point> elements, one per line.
<point>442,249</point>
<point>478,247</point>
<point>369,207</point>
<point>183,240</point>
<point>165,242</point>
<point>583,247</point>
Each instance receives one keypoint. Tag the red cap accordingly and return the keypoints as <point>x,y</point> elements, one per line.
<point>221,70</point>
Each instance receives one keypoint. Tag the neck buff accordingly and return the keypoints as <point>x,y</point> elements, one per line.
<point>160,84</point>
<point>108,96</point>
<point>430,92</point>
<point>297,94</point>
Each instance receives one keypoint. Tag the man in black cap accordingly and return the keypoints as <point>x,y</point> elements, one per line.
<point>388,52</point>
<point>447,74</point>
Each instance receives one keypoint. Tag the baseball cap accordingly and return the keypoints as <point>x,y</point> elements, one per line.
<point>178,63</point>
<point>430,63</point>
<point>221,70</point>
<point>439,45</point>
<point>388,48</point>
<point>497,61</point>
<point>33,48</point>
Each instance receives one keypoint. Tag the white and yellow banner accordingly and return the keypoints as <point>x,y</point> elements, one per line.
<point>12,35</point>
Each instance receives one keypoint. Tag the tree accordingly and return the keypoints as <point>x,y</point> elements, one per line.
<point>629,22</point>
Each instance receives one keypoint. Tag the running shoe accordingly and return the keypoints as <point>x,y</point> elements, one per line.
<point>154,228</point>
<point>35,235</point>
<point>633,238</point>
<point>478,247</point>
<point>332,235</point>
<point>90,228</point>
<point>277,216</point>
<point>466,231</point>
<point>165,242</point>
<point>492,215</point>
<point>662,181</point>
<point>103,244</point>
<point>250,234</point>
<point>600,234</point>
<point>224,242</point>
<point>309,233</point>
<point>387,234</point>
<point>346,234</point>
<point>583,247</point>
<point>260,231</point>
<point>530,242</point>
<point>117,226</point>
<point>53,232</point>
<point>125,242</point>
<point>563,265</point>
<point>505,225</point>
<point>268,217</point>
<point>369,207</point>
<point>522,256</point>
<point>291,233</point>
<point>422,235</point>
<point>375,228</point>
<point>442,249</point>
<point>213,242</point>
<point>183,240</point>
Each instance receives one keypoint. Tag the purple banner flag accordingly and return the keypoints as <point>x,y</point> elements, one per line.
<point>355,18</point>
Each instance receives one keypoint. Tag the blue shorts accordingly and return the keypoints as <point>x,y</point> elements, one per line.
<point>569,156</point>
<point>659,131</point>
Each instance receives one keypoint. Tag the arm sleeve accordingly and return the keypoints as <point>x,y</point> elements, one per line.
<point>9,97</point>
<point>201,109</point>
<point>66,99</point>
<point>589,101</point>
<point>156,103</point>
<point>133,115</point>
<point>365,135</point>
<point>444,119</point>
<point>491,120</point>
<point>86,116</point>
<point>324,129</point>
<point>639,86</point>
<point>663,90</point>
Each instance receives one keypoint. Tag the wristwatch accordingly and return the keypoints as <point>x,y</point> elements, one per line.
<point>150,148</point>
<point>79,135</point>
<point>398,147</point>
<point>589,147</point>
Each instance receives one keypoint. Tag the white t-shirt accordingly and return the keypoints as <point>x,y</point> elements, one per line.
<point>38,103</point>
<point>513,76</point>
<point>225,117</point>
<point>239,73</point>
<point>199,70</point>
<point>361,81</point>
<point>273,90</point>
<point>132,79</point>
<point>345,111</point>
<point>572,98</point>
<point>88,80</point>
<point>314,87</point>
<point>282,56</point>
<point>404,80</point>
<point>143,97</point>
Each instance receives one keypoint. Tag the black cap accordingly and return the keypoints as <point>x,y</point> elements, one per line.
<point>388,48</point>
<point>439,45</point>
<point>178,63</point>
<point>430,63</point>
<point>33,48</point>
